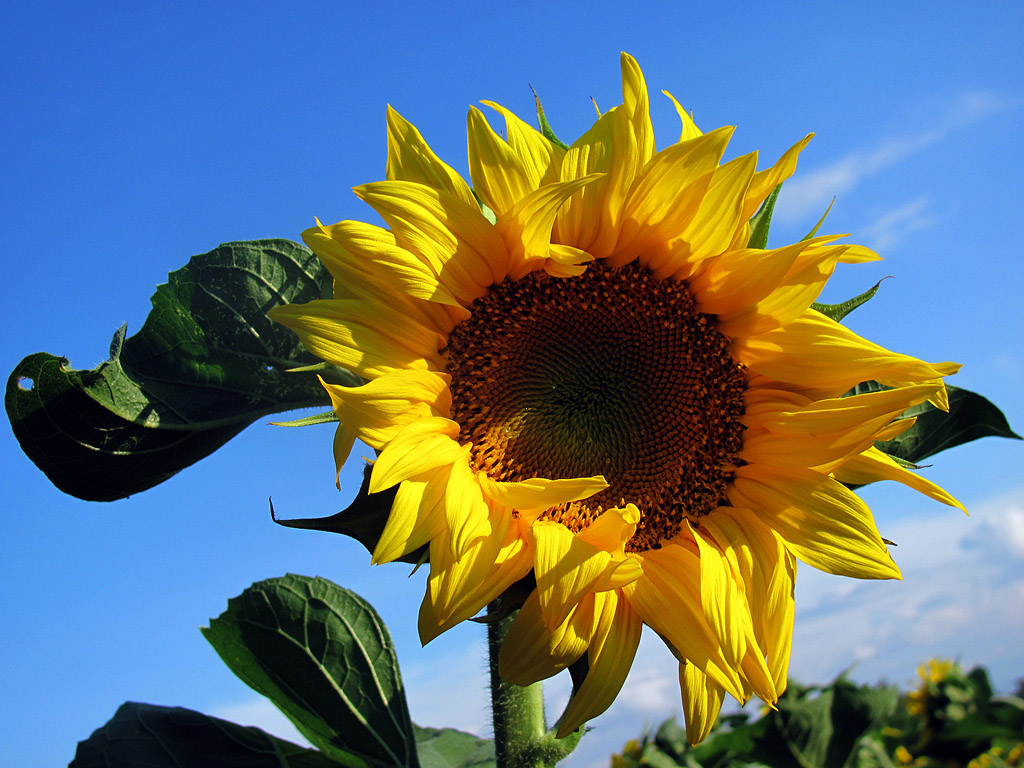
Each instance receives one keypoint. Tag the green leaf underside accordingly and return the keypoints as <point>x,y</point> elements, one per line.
<point>838,311</point>
<point>324,657</point>
<point>971,417</point>
<point>363,519</point>
<point>449,748</point>
<point>207,363</point>
<point>173,737</point>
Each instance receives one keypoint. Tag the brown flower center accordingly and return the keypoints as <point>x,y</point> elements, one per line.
<point>612,373</point>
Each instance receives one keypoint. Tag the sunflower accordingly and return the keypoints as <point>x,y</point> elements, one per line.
<point>578,371</point>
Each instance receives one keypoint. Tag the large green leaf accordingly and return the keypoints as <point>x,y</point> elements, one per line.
<point>206,364</point>
<point>970,417</point>
<point>449,748</point>
<point>171,737</point>
<point>324,657</point>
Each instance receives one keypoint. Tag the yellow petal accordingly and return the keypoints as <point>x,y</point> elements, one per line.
<point>365,260</point>
<point>591,220</point>
<point>566,568</point>
<point>466,512</point>
<point>421,446</point>
<point>765,181</point>
<point>377,410</point>
<point>736,282</point>
<point>610,655</point>
<point>459,588</point>
<point>828,431</point>
<point>539,157</point>
<point>801,285</point>
<point>540,493</point>
<point>345,333</point>
<point>721,211</point>
<point>526,228</point>
<point>702,701</point>
<point>722,608</point>
<point>821,521</point>
<point>637,104</point>
<point>668,193</point>
<point>410,158</point>
<point>873,464</point>
<point>689,129</point>
<point>416,516</point>
<point>460,245</point>
<point>818,354</point>
<point>767,573</point>
<point>612,529</point>
<point>497,171</point>
<point>531,652</point>
<point>668,600</point>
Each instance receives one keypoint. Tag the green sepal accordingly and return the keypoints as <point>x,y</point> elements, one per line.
<point>172,737</point>
<point>821,221</point>
<point>207,363</point>
<point>545,126</point>
<point>323,655</point>
<point>363,520</point>
<point>761,221</point>
<point>327,417</point>
<point>838,311</point>
<point>971,417</point>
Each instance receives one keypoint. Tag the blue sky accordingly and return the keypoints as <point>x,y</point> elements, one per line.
<point>134,135</point>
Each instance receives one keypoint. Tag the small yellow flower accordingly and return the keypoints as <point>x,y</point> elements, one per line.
<point>594,381</point>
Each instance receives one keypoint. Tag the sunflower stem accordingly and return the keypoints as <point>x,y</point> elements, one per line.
<point>520,732</point>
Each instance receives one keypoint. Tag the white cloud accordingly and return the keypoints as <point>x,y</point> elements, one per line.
<point>890,228</point>
<point>809,194</point>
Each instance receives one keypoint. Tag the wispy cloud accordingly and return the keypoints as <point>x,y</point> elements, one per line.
<point>809,194</point>
<point>892,227</point>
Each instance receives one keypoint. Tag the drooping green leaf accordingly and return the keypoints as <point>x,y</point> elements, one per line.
<point>449,748</point>
<point>970,417</point>
<point>761,221</point>
<point>363,519</point>
<point>171,737</point>
<point>207,363</point>
<point>838,311</point>
<point>324,657</point>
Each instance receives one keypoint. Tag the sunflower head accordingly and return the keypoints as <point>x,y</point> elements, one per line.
<point>582,377</point>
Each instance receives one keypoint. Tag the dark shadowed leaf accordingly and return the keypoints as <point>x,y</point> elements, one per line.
<point>449,748</point>
<point>207,363</point>
<point>150,736</point>
<point>363,519</point>
<point>324,657</point>
<point>970,417</point>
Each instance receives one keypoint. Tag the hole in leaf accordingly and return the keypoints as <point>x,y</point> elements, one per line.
<point>26,383</point>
